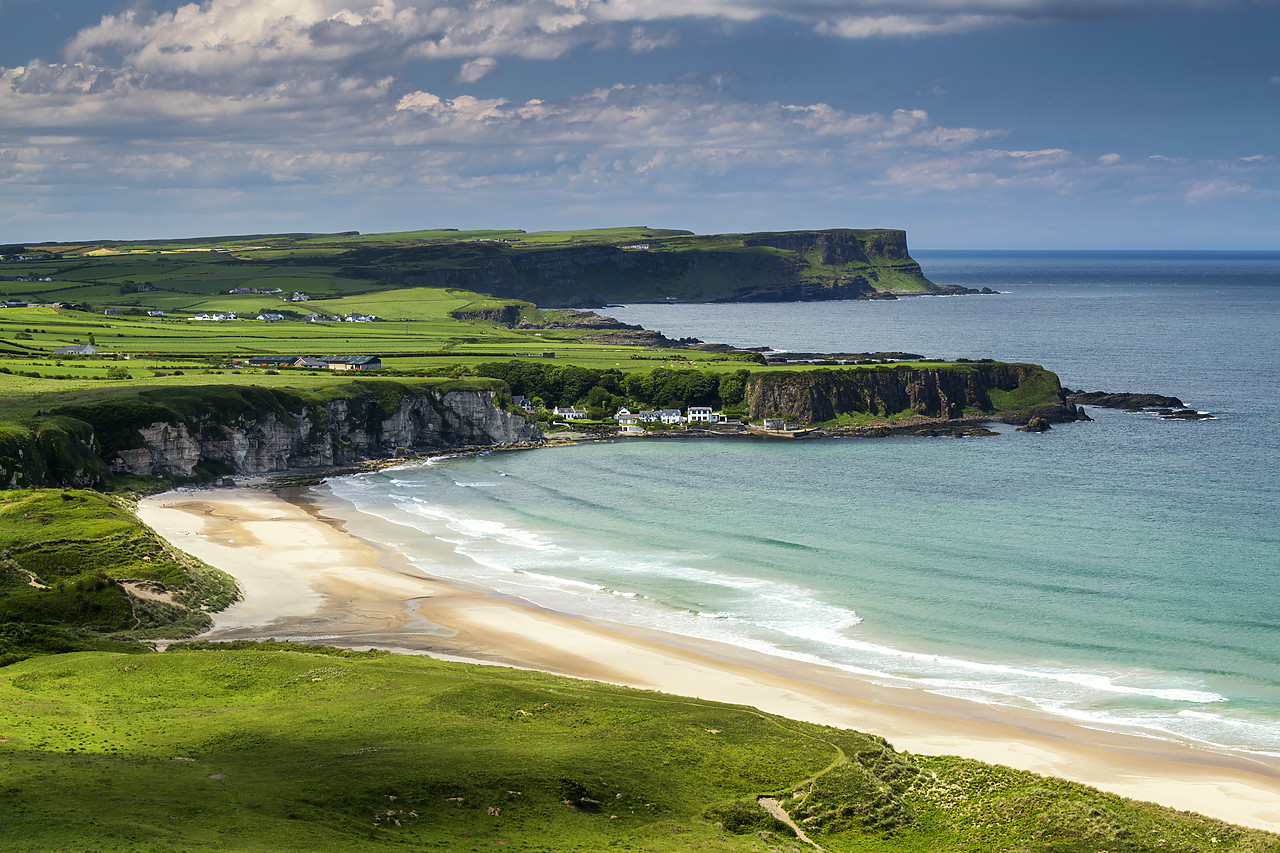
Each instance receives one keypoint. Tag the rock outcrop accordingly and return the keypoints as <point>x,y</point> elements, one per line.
<point>1166,408</point>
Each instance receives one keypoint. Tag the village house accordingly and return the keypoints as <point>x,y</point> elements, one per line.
<point>570,413</point>
<point>155,312</point>
<point>670,416</point>
<point>523,402</point>
<point>270,318</point>
<point>775,424</point>
<point>111,312</point>
<point>80,349</point>
<point>702,414</point>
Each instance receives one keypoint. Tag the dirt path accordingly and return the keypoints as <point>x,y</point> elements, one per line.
<point>771,805</point>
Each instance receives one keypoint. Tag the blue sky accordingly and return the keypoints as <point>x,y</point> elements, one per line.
<point>970,123</point>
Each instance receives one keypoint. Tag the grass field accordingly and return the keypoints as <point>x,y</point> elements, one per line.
<point>255,750</point>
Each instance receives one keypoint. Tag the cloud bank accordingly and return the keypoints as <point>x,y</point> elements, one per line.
<point>234,99</point>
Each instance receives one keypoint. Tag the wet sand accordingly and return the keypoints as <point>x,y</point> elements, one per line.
<point>305,578</point>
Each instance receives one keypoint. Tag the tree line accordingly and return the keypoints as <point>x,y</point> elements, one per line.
<point>601,392</point>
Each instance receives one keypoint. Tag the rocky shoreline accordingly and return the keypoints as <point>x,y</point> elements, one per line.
<point>1166,408</point>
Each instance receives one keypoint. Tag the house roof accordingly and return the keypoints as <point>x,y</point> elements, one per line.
<point>351,359</point>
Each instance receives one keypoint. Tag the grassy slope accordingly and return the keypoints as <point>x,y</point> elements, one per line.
<point>285,750</point>
<point>63,553</point>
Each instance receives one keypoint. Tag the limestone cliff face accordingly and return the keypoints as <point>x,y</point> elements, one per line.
<point>1012,393</point>
<point>339,432</point>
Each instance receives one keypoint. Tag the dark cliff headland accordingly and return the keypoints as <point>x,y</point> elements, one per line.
<point>781,266</point>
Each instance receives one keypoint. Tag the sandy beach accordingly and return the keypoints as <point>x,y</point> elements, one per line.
<point>305,578</point>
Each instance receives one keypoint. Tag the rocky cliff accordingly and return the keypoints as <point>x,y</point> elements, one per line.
<point>838,263</point>
<point>337,433</point>
<point>1012,393</point>
<point>244,431</point>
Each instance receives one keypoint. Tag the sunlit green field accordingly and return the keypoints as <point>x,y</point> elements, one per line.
<point>260,750</point>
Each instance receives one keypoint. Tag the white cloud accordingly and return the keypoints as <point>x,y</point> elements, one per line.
<point>1217,188</point>
<point>257,38</point>
<point>475,69</point>
<point>1110,159</point>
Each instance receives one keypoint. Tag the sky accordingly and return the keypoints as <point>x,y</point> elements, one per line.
<point>1075,124</point>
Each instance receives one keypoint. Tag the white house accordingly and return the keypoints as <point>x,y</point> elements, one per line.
<point>670,416</point>
<point>649,416</point>
<point>82,349</point>
<point>523,402</point>
<point>155,312</point>
<point>775,424</point>
<point>570,413</point>
<point>701,414</point>
<point>270,318</point>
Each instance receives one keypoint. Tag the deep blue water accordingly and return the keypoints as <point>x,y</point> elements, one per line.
<point>1121,573</point>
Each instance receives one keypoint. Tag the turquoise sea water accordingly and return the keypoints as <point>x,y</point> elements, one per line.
<point>1120,573</point>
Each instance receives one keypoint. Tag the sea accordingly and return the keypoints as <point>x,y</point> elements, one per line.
<point>1119,573</point>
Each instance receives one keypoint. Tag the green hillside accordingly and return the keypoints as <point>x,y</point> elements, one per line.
<point>257,750</point>
<point>79,571</point>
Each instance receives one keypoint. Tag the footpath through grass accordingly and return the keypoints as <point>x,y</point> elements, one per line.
<point>273,749</point>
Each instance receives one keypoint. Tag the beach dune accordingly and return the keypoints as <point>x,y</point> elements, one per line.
<point>305,578</point>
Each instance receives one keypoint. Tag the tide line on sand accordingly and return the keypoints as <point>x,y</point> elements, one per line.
<point>304,577</point>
